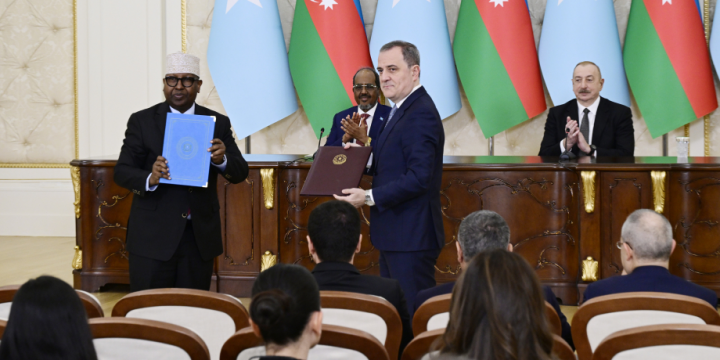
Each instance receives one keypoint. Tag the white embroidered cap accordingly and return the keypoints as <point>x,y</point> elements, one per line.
<point>180,63</point>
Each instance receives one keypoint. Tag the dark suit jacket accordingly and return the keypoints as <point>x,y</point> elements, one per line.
<point>407,169</point>
<point>336,133</point>
<point>613,133</point>
<point>156,224</point>
<point>338,276</point>
<point>649,278</point>
<point>447,288</point>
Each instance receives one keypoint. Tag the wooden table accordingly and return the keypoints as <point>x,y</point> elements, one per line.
<point>565,218</point>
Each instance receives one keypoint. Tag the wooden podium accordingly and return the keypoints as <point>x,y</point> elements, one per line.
<point>565,218</point>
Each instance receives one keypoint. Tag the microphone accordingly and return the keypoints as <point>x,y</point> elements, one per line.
<point>322,131</point>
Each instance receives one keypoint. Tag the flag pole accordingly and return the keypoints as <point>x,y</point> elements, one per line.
<point>706,120</point>
<point>247,144</point>
<point>665,145</point>
<point>491,146</point>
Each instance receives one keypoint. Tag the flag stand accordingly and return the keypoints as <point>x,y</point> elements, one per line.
<point>247,144</point>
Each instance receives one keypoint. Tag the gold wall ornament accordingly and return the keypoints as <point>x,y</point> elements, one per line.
<point>77,259</point>
<point>588,179</point>
<point>268,184</point>
<point>590,269</point>
<point>268,260</point>
<point>658,185</point>
<point>183,24</point>
<point>75,176</point>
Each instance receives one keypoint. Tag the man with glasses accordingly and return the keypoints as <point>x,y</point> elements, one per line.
<point>645,246</point>
<point>173,233</point>
<point>362,123</point>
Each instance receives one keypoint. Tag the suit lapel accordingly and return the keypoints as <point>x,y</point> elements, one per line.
<point>160,122</point>
<point>600,122</point>
<point>398,116</point>
<point>377,123</point>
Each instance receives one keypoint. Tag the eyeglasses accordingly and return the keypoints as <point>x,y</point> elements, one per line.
<point>172,81</point>
<point>620,243</point>
<point>368,87</point>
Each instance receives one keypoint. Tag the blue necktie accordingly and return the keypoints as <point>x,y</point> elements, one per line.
<point>392,112</point>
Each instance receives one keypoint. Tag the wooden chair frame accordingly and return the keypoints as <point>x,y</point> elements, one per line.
<point>420,345</point>
<point>441,303</point>
<point>561,349</point>
<point>91,305</point>
<point>369,304</point>
<point>184,297</point>
<point>635,301</point>
<point>332,335</point>
<point>654,335</point>
<point>3,325</point>
<point>129,328</point>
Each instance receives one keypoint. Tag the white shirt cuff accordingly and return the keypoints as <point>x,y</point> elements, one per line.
<point>222,166</point>
<point>372,199</point>
<point>562,146</point>
<point>147,184</point>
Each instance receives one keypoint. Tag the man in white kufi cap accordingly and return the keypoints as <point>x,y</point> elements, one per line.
<point>173,232</point>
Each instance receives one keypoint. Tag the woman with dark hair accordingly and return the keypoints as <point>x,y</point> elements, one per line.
<point>497,312</point>
<point>285,311</point>
<point>47,321</point>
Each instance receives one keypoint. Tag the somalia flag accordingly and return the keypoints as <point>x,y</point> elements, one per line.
<point>248,62</point>
<point>668,64</point>
<point>497,62</point>
<point>327,46</point>
<point>563,44</point>
<point>423,23</point>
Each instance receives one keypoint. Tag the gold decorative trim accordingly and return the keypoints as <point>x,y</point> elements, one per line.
<point>77,259</point>
<point>658,185</point>
<point>267,261</point>
<point>588,179</point>
<point>77,107</point>
<point>268,185</point>
<point>589,269</point>
<point>183,15</point>
<point>75,175</point>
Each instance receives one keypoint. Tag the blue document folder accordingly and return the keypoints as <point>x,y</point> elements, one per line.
<point>187,138</point>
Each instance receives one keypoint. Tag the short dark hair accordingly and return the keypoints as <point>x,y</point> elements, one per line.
<point>589,63</point>
<point>377,77</point>
<point>410,52</point>
<point>334,228</point>
<point>483,230</point>
<point>284,297</point>
<point>47,321</point>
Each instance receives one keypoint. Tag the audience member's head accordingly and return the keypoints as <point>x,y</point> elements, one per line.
<point>646,239</point>
<point>498,311</point>
<point>483,230</point>
<point>285,310</point>
<point>334,232</point>
<point>47,321</point>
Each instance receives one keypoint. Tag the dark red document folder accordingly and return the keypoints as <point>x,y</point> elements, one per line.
<point>335,169</point>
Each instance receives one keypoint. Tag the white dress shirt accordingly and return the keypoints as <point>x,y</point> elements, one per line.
<point>591,117</point>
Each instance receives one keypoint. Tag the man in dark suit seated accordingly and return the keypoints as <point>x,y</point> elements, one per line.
<point>360,124</point>
<point>481,231</point>
<point>645,246</point>
<point>601,128</point>
<point>333,240</point>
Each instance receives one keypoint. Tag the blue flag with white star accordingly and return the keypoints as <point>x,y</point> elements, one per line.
<point>249,65</point>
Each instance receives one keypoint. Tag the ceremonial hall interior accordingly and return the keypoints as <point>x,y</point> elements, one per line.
<point>73,71</point>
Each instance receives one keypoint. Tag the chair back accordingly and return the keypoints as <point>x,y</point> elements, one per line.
<point>336,342</point>
<point>214,317</point>
<point>561,349</point>
<point>604,315</point>
<point>434,314</point>
<point>667,341</point>
<point>371,314</point>
<point>90,302</point>
<point>3,324</point>
<point>419,347</point>
<point>130,339</point>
